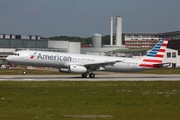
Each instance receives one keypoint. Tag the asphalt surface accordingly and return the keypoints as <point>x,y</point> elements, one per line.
<point>107,77</point>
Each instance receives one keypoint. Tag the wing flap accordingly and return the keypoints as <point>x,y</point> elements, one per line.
<point>162,65</point>
<point>103,63</point>
<point>95,65</point>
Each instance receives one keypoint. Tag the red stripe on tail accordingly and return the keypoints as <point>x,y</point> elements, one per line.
<point>164,44</point>
<point>151,65</point>
<point>152,60</point>
<point>159,55</point>
<point>161,50</point>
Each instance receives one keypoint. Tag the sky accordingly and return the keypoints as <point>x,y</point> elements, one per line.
<point>83,18</point>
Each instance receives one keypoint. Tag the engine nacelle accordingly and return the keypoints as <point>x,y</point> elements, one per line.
<point>77,69</point>
<point>74,69</point>
<point>65,70</point>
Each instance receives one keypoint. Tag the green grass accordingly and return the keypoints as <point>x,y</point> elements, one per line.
<point>56,99</point>
<point>29,72</point>
<point>162,71</point>
<point>56,72</point>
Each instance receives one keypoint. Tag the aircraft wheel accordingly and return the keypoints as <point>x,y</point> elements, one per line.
<point>92,75</point>
<point>23,72</point>
<point>84,75</point>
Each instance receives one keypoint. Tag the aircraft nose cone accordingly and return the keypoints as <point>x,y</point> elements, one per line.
<point>8,58</point>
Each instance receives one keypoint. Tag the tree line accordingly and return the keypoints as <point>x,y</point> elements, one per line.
<point>84,41</point>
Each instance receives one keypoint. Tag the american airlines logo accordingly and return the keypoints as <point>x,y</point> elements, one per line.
<point>53,57</point>
<point>32,56</point>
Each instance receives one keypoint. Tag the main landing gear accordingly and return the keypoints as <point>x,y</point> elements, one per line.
<point>91,75</point>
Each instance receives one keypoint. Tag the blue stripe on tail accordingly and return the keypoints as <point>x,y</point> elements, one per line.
<point>156,48</point>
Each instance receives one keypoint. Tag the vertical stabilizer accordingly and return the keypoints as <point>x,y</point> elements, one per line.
<point>154,58</point>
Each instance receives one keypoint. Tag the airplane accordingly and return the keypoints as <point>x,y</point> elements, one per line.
<point>86,64</point>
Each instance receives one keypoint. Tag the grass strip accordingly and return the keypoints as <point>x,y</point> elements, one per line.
<point>56,72</point>
<point>120,99</point>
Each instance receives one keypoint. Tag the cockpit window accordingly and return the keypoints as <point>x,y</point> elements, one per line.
<point>16,54</point>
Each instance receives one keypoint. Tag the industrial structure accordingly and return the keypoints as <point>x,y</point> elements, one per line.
<point>98,48</point>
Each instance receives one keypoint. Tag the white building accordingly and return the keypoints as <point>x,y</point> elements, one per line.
<point>71,47</point>
<point>171,56</point>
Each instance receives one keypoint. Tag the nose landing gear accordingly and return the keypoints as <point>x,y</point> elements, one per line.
<point>24,71</point>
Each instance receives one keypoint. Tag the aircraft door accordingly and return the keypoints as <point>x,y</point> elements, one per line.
<point>58,58</point>
<point>143,65</point>
<point>26,56</point>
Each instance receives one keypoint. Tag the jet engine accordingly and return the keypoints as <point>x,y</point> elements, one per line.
<point>77,69</point>
<point>74,69</point>
<point>65,70</point>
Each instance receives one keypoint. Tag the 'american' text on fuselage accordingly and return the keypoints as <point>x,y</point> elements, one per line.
<point>54,57</point>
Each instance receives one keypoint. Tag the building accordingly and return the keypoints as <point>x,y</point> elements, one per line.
<point>146,40</point>
<point>172,57</point>
<point>140,40</point>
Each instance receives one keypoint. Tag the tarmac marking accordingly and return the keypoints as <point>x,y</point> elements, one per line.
<point>109,77</point>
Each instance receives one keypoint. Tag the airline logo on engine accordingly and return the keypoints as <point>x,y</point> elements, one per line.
<point>53,57</point>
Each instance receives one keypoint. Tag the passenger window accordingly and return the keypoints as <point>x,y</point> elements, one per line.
<point>16,54</point>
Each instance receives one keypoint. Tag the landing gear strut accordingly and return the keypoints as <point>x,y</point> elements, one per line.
<point>24,71</point>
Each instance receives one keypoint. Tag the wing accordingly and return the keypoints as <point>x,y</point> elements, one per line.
<point>97,66</point>
<point>93,66</point>
<point>162,65</point>
<point>166,64</point>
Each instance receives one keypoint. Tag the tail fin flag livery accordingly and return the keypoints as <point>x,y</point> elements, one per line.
<point>154,58</point>
<point>86,64</point>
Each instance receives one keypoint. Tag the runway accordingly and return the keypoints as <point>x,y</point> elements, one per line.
<point>107,77</point>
